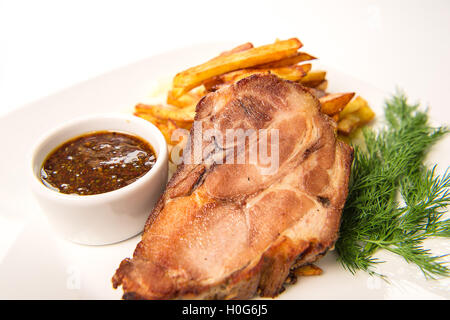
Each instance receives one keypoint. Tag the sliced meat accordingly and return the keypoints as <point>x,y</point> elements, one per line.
<point>229,231</point>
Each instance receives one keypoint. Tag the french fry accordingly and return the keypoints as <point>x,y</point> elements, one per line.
<point>313,78</point>
<point>322,86</point>
<point>167,112</point>
<point>149,118</point>
<point>293,73</point>
<point>213,84</point>
<point>171,127</point>
<point>282,59</point>
<point>192,77</point>
<point>333,103</point>
<point>308,270</point>
<point>184,124</point>
<point>166,131</point>
<point>353,106</point>
<point>297,58</point>
<point>335,117</point>
<point>366,114</point>
<point>159,123</point>
<point>183,101</point>
<point>240,48</point>
<point>348,124</point>
<point>356,119</point>
<point>189,99</point>
<point>166,126</point>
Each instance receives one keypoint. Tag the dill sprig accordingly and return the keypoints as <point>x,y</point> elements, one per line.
<point>391,162</point>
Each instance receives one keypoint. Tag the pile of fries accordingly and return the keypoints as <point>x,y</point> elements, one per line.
<point>281,58</point>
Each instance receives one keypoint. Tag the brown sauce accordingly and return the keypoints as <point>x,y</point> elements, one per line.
<point>97,162</point>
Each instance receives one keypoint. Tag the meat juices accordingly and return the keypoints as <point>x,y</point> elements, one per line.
<point>226,231</point>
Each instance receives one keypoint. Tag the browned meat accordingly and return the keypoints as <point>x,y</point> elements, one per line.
<point>228,231</point>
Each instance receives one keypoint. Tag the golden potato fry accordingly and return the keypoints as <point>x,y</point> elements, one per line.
<point>178,92</point>
<point>322,86</point>
<point>167,112</point>
<point>293,73</point>
<point>308,270</point>
<point>297,58</point>
<point>335,117</point>
<point>215,83</point>
<point>159,123</point>
<point>240,48</point>
<point>166,131</point>
<point>183,124</point>
<point>183,101</point>
<point>171,127</point>
<point>356,119</point>
<point>149,117</point>
<point>335,102</point>
<point>313,78</point>
<point>353,106</point>
<point>179,137</point>
<point>189,99</point>
<point>348,124</point>
<point>366,114</point>
<point>166,126</point>
<point>192,77</point>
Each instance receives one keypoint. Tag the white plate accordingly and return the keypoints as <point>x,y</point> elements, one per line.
<point>36,264</point>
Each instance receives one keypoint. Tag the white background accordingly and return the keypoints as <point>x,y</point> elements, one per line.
<point>49,45</point>
<point>46,46</point>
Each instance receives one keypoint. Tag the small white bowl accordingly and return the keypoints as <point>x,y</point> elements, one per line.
<point>107,217</point>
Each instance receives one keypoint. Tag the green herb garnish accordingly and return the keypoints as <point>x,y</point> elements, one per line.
<point>391,161</point>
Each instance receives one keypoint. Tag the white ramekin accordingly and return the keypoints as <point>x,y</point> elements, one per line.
<point>108,217</point>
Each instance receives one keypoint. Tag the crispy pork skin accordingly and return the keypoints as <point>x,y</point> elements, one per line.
<point>231,231</point>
